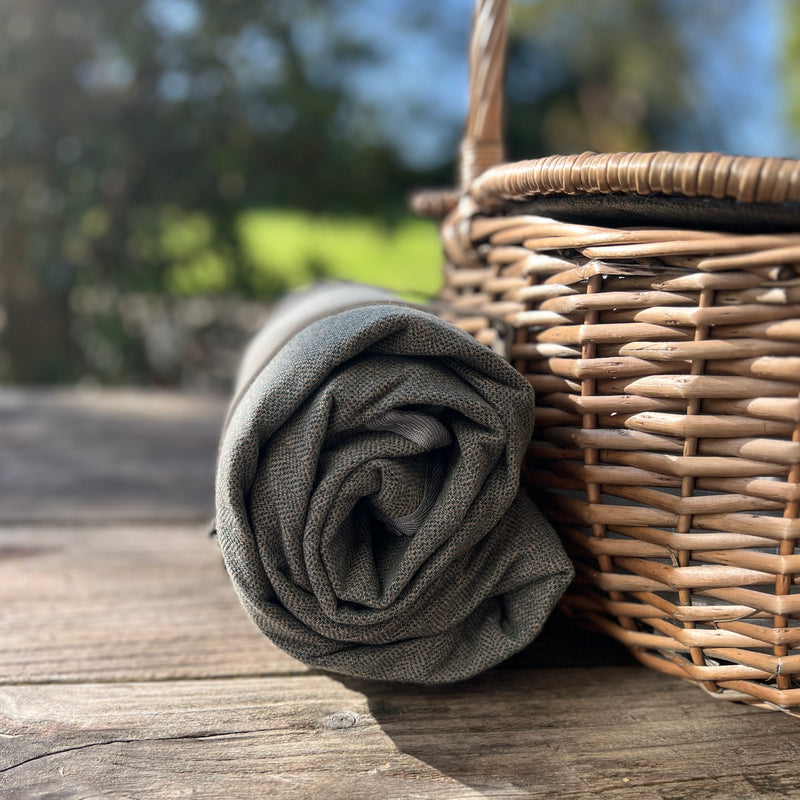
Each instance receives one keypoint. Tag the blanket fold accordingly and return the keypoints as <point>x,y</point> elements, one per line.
<point>368,505</point>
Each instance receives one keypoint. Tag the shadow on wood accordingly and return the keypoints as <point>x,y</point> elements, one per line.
<point>616,731</point>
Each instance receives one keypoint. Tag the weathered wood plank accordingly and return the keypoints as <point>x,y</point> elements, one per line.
<point>111,455</point>
<point>153,602</point>
<point>619,732</point>
<point>123,603</point>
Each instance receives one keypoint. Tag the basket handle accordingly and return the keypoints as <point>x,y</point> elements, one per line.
<point>482,145</point>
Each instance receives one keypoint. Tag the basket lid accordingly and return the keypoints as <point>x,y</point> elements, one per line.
<point>703,190</point>
<point>708,191</point>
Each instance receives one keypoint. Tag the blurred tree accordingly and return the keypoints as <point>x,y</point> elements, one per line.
<point>790,64</point>
<point>111,114</point>
<point>608,76</point>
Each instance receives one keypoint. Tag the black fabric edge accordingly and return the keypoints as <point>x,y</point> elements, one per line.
<point>659,210</point>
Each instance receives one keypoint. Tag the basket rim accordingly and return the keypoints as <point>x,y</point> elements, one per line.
<point>745,179</point>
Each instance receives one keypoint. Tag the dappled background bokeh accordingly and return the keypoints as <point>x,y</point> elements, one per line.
<point>167,167</point>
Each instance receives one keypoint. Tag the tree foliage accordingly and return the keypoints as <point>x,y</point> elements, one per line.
<point>115,115</point>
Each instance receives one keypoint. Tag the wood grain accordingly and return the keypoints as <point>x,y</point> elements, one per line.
<point>614,732</point>
<point>110,455</point>
<point>100,603</point>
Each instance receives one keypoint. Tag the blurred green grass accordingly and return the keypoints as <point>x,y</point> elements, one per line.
<point>287,248</point>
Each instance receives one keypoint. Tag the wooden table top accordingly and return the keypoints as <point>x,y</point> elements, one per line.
<point>128,670</point>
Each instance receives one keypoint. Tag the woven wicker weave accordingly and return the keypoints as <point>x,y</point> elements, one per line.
<point>666,362</point>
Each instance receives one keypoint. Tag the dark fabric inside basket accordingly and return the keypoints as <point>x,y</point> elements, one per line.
<point>626,210</point>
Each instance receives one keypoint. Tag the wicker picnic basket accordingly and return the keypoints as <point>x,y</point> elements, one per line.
<point>653,301</point>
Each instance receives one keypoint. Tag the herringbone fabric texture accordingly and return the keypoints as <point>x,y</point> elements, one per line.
<point>368,502</point>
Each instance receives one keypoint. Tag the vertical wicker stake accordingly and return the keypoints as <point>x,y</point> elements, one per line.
<point>684,526</point>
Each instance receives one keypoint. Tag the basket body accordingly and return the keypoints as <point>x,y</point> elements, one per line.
<point>653,302</point>
<point>666,364</point>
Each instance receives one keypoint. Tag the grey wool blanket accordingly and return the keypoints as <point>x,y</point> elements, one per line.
<point>368,505</point>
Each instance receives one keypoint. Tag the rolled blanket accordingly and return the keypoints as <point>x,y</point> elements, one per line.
<point>368,502</point>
